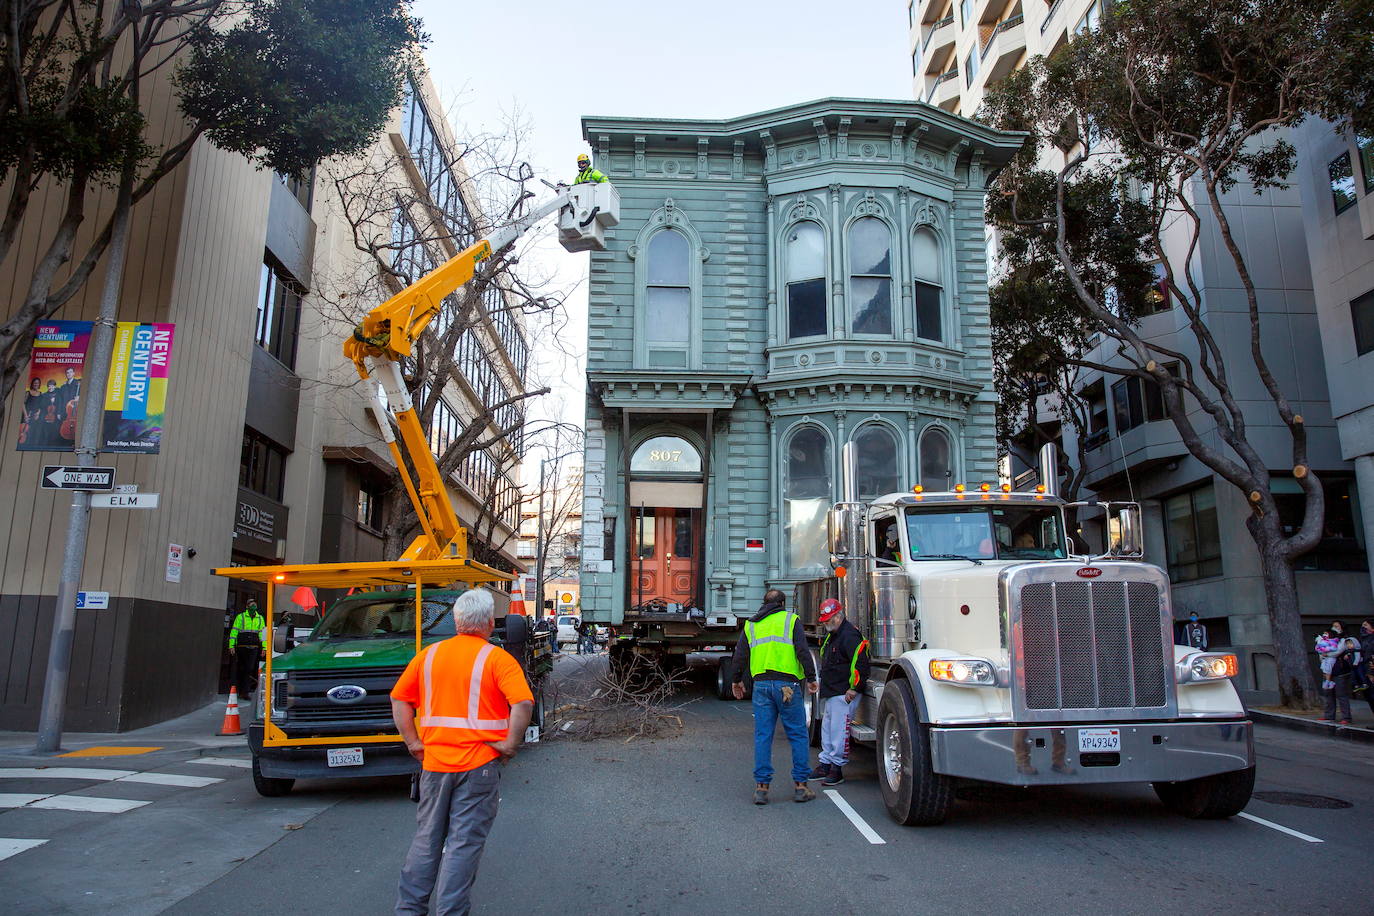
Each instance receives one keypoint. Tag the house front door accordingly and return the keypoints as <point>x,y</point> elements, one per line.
<point>665,555</point>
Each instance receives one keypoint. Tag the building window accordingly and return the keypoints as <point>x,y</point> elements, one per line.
<point>870,279</point>
<point>971,65</point>
<point>1159,298</point>
<point>911,14</point>
<point>262,465</point>
<point>937,464</point>
<point>926,268</point>
<point>301,187</point>
<point>668,300</point>
<point>370,505</point>
<point>1136,401</point>
<point>1366,146</point>
<point>1095,396</point>
<point>965,12</point>
<point>1192,535</point>
<point>1342,182</point>
<point>279,313</point>
<point>1362,317</point>
<point>666,456</point>
<point>916,61</point>
<point>1342,545</point>
<point>876,450</point>
<point>431,160</point>
<point>1089,20</point>
<point>806,306</point>
<point>807,496</point>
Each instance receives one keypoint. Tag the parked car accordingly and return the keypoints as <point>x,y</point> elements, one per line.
<point>567,628</point>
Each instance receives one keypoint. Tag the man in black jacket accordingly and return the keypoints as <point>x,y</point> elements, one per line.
<point>773,650</point>
<point>844,671</point>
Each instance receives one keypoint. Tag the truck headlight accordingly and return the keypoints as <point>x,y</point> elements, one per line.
<point>1207,667</point>
<point>278,696</point>
<point>964,672</point>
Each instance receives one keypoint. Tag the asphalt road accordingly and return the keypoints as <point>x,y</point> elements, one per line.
<point>666,826</point>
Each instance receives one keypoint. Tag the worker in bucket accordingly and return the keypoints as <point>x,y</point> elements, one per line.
<point>585,172</point>
<point>773,650</point>
<point>844,671</point>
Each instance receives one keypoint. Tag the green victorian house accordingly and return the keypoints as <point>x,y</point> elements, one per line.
<point>779,284</point>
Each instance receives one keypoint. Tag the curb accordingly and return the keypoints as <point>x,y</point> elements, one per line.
<point>1298,723</point>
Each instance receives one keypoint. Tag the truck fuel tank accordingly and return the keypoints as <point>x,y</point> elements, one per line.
<point>893,623</point>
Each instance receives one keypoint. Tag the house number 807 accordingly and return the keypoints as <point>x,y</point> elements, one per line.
<point>665,455</point>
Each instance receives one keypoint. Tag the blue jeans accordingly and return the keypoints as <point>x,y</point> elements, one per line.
<point>768,708</point>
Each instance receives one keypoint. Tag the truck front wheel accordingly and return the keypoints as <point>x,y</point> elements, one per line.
<point>270,786</point>
<point>913,792</point>
<point>1210,797</point>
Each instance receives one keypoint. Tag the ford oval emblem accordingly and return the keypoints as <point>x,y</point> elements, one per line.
<point>346,693</point>
<point>1086,572</point>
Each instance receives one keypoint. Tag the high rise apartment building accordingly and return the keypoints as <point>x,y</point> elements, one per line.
<point>267,454</point>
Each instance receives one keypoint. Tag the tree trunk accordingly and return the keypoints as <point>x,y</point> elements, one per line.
<point>1297,688</point>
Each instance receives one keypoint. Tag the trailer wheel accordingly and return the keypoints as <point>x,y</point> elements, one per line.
<point>814,710</point>
<point>913,792</point>
<point>270,786</point>
<point>1210,797</point>
<point>723,678</point>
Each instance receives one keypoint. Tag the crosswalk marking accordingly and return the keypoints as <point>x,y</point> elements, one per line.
<point>18,800</point>
<point>222,761</point>
<point>171,779</point>
<point>64,773</point>
<point>12,847</point>
<point>88,803</point>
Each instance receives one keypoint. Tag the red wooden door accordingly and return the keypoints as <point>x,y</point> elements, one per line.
<point>665,555</point>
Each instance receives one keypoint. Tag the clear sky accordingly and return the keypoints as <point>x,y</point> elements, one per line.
<point>556,62</point>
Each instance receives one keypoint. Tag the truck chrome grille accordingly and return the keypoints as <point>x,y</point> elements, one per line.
<point>1092,645</point>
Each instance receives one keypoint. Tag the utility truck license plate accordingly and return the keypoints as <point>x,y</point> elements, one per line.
<point>1094,740</point>
<point>345,756</point>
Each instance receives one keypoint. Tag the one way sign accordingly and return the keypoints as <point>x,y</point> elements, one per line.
<point>65,478</point>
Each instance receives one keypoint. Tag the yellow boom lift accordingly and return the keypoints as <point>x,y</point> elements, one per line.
<point>438,557</point>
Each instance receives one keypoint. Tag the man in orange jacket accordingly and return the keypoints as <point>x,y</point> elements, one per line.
<point>462,706</point>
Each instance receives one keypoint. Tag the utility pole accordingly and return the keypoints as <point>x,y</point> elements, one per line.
<point>539,549</point>
<point>90,437</point>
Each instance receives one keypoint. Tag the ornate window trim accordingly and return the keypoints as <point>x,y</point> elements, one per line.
<point>929,219</point>
<point>956,450</point>
<point>803,211</point>
<point>898,435</point>
<point>872,206</point>
<point>668,216</point>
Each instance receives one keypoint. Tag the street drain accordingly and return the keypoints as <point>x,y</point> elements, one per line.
<point>1299,800</point>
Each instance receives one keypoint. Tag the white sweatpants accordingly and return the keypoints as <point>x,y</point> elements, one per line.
<point>835,730</point>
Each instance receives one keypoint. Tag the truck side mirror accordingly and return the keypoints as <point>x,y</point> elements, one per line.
<point>281,638</point>
<point>517,629</point>
<point>1127,536</point>
<point>844,530</point>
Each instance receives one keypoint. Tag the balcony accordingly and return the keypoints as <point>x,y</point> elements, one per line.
<point>1004,49</point>
<point>937,36</point>
<point>944,91</point>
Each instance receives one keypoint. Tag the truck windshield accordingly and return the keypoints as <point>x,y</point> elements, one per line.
<point>985,533</point>
<point>381,618</point>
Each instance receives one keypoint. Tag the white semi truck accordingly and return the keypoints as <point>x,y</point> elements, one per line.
<point>1003,654</point>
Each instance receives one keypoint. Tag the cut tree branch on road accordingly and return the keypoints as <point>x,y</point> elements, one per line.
<point>1160,118</point>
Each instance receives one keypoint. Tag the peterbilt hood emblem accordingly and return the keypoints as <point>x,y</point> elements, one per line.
<point>1089,572</point>
<point>346,693</point>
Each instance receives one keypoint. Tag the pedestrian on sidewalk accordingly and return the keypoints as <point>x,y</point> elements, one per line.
<point>844,671</point>
<point>473,708</point>
<point>1365,667</point>
<point>1194,633</point>
<point>1342,673</point>
<point>773,650</point>
<point>247,636</point>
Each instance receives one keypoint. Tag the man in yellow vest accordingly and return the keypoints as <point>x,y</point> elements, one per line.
<point>247,636</point>
<point>773,650</point>
<point>586,173</point>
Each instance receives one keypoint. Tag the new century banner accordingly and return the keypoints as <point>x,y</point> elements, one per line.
<point>48,423</point>
<point>136,397</point>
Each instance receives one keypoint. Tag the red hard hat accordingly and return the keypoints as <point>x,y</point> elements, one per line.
<point>829,608</point>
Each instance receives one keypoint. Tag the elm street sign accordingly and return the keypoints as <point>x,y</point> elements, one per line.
<point>58,477</point>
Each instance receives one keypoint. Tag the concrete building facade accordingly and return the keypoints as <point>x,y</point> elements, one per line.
<point>266,456</point>
<point>779,284</point>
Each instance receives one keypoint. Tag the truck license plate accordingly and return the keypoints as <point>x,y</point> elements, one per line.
<point>1093,740</point>
<point>345,756</point>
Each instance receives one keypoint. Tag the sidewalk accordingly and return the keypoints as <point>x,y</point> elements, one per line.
<point>193,731</point>
<point>1360,729</point>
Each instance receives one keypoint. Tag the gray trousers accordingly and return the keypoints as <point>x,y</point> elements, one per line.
<point>835,730</point>
<point>455,814</point>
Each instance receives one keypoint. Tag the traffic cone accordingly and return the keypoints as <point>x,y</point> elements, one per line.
<point>231,724</point>
<point>517,599</point>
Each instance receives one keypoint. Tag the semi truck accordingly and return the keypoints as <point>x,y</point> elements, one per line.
<point>324,708</point>
<point>1004,653</point>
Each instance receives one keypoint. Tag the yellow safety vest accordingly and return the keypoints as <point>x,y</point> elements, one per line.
<point>770,645</point>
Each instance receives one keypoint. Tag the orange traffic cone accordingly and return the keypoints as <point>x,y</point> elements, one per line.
<point>517,599</point>
<point>231,724</point>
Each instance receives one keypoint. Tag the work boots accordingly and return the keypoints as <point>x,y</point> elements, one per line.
<point>821,771</point>
<point>835,777</point>
<point>761,793</point>
<point>802,792</point>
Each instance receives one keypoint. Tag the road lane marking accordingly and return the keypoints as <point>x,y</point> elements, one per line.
<point>11,847</point>
<point>1280,828</point>
<point>88,803</point>
<point>859,823</point>
<point>63,773</point>
<point>18,799</point>
<point>171,779</point>
<point>222,761</point>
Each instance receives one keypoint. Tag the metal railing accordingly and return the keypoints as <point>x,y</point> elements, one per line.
<point>1054,8</point>
<point>945,77</point>
<point>930,33</point>
<point>1003,26</point>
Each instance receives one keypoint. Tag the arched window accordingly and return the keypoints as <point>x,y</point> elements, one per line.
<point>807,496</point>
<point>665,456</point>
<point>925,267</point>
<point>937,465</point>
<point>804,251</point>
<point>668,300</point>
<point>870,276</point>
<point>877,461</point>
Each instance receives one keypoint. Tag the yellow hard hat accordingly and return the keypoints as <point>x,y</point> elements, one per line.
<point>584,159</point>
